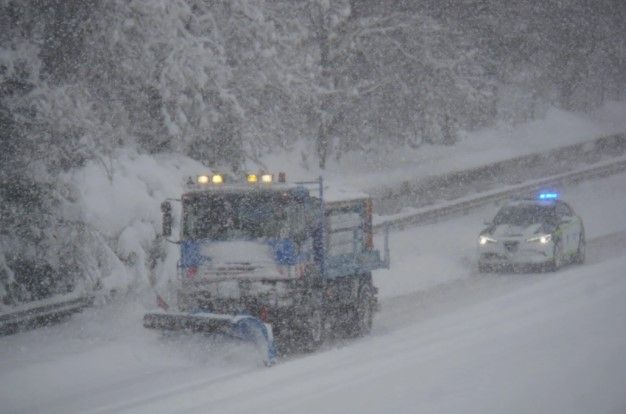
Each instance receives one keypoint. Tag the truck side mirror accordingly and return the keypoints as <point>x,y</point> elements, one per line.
<point>166,210</point>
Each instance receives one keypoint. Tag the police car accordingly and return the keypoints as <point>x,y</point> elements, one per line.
<point>543,233</point>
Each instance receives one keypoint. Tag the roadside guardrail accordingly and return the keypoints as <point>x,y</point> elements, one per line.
<point>465,204</point>
<point>42,311</point>
<point>430,190</point>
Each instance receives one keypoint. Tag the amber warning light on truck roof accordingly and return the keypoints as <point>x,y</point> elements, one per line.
<point>251,178</point>
<point>265,178</point>
<point>206,179</point>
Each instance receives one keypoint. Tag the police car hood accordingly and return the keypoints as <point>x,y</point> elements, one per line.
<point>513,231</point>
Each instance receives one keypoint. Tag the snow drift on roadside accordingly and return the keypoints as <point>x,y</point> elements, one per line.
<point>119,199</point>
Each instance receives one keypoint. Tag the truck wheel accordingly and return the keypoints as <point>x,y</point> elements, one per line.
<point>313,334</point>
<point>364,312</point>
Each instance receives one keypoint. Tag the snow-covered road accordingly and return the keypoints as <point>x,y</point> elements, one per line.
<point>447,340</point>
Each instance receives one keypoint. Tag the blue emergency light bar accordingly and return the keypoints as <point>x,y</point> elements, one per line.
<point>548,196</point>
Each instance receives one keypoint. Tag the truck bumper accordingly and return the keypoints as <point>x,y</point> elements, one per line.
<point>244,327</point>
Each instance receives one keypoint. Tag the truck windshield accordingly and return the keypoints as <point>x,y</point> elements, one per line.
<point>525,215</point>
<point>240,216</point>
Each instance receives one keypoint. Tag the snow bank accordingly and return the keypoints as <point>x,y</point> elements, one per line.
<point>119,199</point>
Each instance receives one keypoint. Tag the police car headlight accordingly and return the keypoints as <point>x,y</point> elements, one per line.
<point>542,238</point>
<point>482,240</point>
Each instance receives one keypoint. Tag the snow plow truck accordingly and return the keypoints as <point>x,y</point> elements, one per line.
<point>283,265</point>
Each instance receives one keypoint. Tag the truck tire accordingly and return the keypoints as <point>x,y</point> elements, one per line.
<point>364,311</point>
<point>313,332</point>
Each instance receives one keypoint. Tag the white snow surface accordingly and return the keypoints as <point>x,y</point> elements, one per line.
<point>447,340</point>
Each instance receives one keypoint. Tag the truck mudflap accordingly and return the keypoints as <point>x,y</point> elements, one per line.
<point>243,327</point>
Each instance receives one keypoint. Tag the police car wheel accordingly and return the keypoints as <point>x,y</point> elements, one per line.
<point>580,253</point>
<point>484,268</point>
<point>557,260</point>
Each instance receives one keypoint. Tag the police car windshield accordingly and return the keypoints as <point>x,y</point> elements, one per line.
<point>236,216</point>
<point>525,215</point>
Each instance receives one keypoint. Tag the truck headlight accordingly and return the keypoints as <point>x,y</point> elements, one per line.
<point>203,179</point>
<point>482,240</point>
<point>542,238</point>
